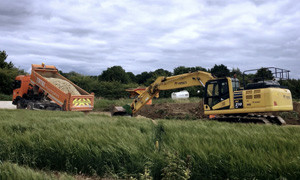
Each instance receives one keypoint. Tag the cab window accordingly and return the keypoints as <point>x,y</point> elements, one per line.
<point>216,91</point>
<point>16,84</point>
<point>235,84</point>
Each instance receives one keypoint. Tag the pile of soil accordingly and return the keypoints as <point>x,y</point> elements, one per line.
<point>63,85</point>
<point>173,111</point>
<point>196,111</point>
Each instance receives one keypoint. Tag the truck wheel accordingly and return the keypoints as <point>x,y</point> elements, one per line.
<point>30,106</point>
<point>20,105</point>
<point>49,109</point>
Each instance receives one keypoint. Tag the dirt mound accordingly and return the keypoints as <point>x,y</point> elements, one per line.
<point>63,85</point>
<point>173,111</point>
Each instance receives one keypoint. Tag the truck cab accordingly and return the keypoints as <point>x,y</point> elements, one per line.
<point>20,90</point>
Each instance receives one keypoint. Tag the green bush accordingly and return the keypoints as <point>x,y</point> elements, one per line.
<point>4,97</point>
<point>114,89</point>
<point>294,86</point>
<point>7,77</point>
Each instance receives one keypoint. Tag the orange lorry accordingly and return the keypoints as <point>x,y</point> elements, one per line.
<point>36,91</point>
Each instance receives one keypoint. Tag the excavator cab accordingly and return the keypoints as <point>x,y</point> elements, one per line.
<point>217,93</point>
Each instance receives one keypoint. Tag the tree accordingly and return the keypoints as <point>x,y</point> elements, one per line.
<point>87,83</point>
<point>115,73</point>
<point>236,72</point>
<point>69,74</point>
<point>157,73</point>
<point>263,74</point>
<point>220,71</point>
<point>113,89</point>
<point>7,77</point>
<point>8,74</point>
<point>143,77</point>
<point>4,64</point>
<point>132,77</point>
<point>294,86</point>
<point>162,72</point>
<point>183,69</point>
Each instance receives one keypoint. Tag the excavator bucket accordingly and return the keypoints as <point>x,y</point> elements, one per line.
<point>121,111</point>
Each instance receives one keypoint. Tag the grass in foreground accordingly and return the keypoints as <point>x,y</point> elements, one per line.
<point>15,172</point>
<point>123,147</point>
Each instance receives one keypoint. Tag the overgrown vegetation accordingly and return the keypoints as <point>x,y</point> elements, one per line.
<point>123,147</point>
<point>15,172</point>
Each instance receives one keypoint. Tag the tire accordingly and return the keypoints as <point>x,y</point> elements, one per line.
<point>30,106</point>
<point>49,109</point>
<point>19,105</point>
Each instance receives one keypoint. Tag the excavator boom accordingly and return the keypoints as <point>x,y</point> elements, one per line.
<point>198,78</point>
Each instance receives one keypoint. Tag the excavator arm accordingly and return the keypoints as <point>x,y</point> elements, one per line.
<point>198,78</point>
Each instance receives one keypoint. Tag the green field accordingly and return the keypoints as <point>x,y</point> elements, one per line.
<point>124,147</point>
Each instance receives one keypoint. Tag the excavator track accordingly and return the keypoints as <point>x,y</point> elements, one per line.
<point>252,118</point>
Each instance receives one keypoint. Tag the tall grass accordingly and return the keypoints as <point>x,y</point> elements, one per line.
<point>15,172</point>
<point>124,147</point>
<point>73,142</point>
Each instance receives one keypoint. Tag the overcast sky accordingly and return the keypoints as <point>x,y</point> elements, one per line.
<point>88,36</point>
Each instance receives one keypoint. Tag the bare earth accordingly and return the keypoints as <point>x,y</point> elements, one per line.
<point>7,105</point>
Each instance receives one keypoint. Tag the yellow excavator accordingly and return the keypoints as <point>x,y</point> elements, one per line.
<point>224,98</point>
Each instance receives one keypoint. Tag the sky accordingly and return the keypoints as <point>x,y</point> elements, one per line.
<point>88,36</point>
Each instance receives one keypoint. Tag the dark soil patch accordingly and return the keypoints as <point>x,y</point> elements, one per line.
<point>173,111</point>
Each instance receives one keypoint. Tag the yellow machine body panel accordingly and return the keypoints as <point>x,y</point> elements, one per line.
<point>254,100</point>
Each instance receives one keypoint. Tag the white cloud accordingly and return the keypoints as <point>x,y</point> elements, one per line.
<point>89,36</point>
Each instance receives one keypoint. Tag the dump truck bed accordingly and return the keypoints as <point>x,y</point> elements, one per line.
<point>59,89</point>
